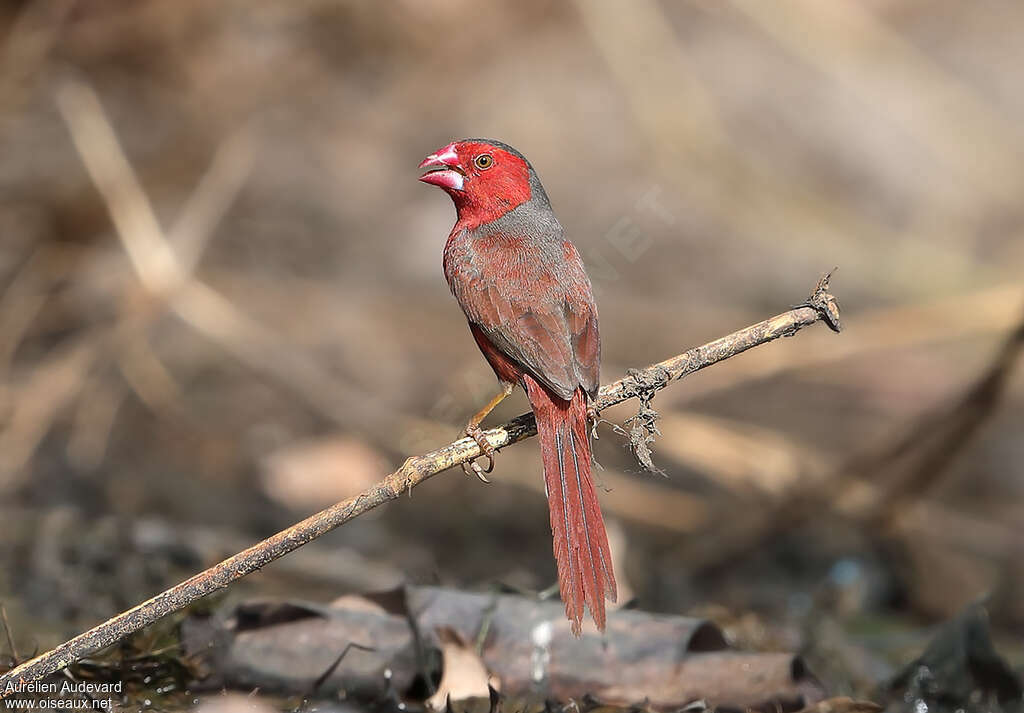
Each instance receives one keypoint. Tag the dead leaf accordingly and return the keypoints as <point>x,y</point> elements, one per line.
<point>464,675</point>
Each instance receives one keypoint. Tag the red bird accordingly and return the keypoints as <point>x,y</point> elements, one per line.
<point>531,310</point>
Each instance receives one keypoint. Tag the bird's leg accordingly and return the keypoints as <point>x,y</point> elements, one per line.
<point>474,431</point>
<point>593,418</point>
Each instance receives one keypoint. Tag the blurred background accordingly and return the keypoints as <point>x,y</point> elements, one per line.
<point>222,307</point>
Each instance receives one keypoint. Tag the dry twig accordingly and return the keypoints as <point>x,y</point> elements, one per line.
<point>639,384</point>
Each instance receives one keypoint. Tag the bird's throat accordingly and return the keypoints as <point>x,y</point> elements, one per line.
<point>475,211</point>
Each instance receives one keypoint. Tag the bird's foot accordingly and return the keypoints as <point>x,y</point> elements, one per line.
<point>477,434</point>
<point>593,420</point>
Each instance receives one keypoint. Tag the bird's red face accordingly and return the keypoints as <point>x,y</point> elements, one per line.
<point>485,181</point>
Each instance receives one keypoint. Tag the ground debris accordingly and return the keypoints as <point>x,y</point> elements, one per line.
<point>145,670</point>
<point>518,645</point>
<point>961,671</point>
<point>843,704</point>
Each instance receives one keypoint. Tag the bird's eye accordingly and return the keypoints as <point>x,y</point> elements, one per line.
<point>484,161</point>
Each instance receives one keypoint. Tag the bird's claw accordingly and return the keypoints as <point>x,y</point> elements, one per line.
<point>488,451</point>
<point>490,463</point>
<point>473,468</point>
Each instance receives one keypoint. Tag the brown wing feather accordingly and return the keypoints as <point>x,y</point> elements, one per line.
<point>581,319</point>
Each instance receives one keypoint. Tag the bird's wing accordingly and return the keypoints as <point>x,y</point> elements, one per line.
<point>544,319</point>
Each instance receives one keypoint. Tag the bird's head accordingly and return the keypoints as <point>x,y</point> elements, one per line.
<point>485,178</point>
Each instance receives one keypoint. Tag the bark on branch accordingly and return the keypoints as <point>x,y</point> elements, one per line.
<point>641,384</point>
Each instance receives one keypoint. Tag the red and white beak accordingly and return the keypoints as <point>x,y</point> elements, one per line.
<point>443,169</point>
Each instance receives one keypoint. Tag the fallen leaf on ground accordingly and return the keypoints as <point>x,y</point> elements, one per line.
<point>463,676</point>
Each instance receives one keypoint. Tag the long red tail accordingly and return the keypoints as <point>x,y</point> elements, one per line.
<point>581,544</point>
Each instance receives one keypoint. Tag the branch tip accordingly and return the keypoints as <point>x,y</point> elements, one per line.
<point>824,302</point>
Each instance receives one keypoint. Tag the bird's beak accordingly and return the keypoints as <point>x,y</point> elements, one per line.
<point>443,169</point>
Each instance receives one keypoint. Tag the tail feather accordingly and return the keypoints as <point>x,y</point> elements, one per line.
<point>585,576</point>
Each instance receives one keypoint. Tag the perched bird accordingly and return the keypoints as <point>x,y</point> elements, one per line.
<point>531,309</point>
